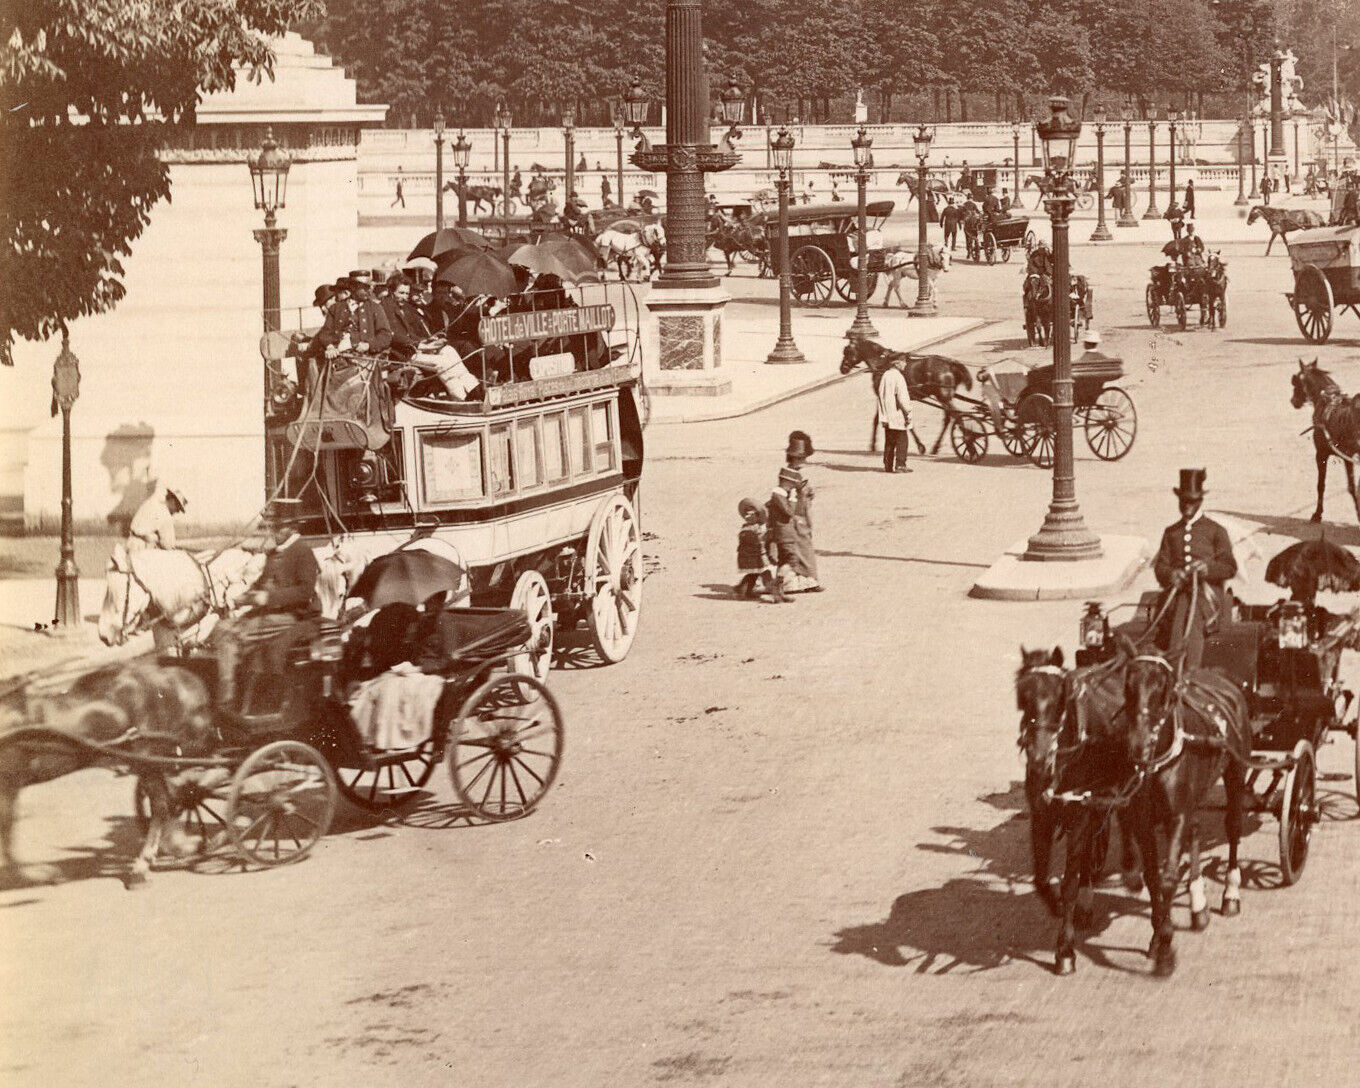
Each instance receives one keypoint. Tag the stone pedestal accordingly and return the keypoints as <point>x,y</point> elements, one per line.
<point>686,340</point>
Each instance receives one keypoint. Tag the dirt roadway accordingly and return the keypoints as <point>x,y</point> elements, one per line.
<point>787,846</point>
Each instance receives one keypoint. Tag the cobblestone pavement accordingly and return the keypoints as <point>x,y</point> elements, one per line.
<point>788,844</point>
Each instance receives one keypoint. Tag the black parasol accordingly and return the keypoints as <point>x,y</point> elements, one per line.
<point>440,242</point>
<point>411,576</point>
<point>1313,565</point>
<point>480,274</point>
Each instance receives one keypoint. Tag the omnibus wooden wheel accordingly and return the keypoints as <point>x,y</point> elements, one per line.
<point>813,275</point>
<point>613,578</point>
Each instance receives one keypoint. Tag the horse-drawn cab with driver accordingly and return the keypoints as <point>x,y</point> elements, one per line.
<point>823,241</point>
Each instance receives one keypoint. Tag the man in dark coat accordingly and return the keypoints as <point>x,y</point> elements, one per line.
<point>1194,561</point>
<point>369,331</point>
<point>949,219</point>
<point>1189,201</point>
<point>284,608</point>
<point>408,326</point>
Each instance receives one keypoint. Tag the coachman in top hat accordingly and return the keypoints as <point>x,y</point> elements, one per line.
<point>1194,561</point>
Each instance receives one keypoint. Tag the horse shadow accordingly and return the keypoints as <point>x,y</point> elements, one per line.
<point>1301,528</point>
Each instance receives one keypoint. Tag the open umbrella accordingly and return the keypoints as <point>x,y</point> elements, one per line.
<point>568,266</point>
<point>441,241</point>
<point>571,247</point>
<point>411,576</point>
<point>1315,565</point>
<point>480,274</point>
<point>647,194</point>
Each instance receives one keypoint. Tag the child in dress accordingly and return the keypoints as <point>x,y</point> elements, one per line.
<point>755,556</point>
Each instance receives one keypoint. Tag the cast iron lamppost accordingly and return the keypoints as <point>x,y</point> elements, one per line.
<point>1102,232</point>
<point>1241,201</point>
<point>65,390</point>
<point>862,146</point>
<point>438,170</point>
<point>269,180</point>
<point>635,106</point>
<point>619,131</point>
<point>1152,212</point>
<point>785,350</point>
<point>502,122</point>
<point>1172,116</point>
<point>569,142</point>
<point>1015,139</point>
<point>1126,216</point>
<point>1064,535</point>
<point>462,149</point>
<point>925,297</point>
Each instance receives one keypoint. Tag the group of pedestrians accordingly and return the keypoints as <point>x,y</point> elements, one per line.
<point>775,553</point>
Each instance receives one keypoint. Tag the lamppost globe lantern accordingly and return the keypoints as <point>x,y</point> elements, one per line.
<point>782,149</point>
<point>462,150</point>
<point>569,121</point>
<point>1172,114</point>
<point>862,145</point>
<point>1058,137</point>
<point>921,140</point>
<point>439,123</point>
<point>269,175</point>
<point>1099,114</point>
<point>734,104</point>
<point>635,106</point>
<point>1126,115</point>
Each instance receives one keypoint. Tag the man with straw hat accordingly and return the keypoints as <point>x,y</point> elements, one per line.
<point>1193,563</point>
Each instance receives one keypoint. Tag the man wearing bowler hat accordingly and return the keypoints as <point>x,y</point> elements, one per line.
<point>1194,561</point>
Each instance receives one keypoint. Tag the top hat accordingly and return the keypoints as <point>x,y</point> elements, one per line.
<point>344,283</point>
<point>322,295</point>
<point>1192,484</point>
<point>800,445</point>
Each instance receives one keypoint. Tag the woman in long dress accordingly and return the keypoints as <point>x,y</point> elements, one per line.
<point>790,510</point>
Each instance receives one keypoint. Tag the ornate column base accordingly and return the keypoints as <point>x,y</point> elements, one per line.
<point>1153,212</point>
<point>785,352</point>
<point>1063,537</point>
<point>687,345</point>
<point>1101,234</point>
<point>924,309</point>
<point>1126,220</point>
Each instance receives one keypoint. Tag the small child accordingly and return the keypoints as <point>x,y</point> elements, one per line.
<point>755,556</point>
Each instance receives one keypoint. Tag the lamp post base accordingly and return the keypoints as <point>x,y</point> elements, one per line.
<point>1063,537</point>
<point>1126,220</point>
<point>862,327</point>
<point>785,351</point>
<point>924,309</point>
<point>1102,234</point>
<point>1241,201</point>
<point>1153,212</point>
<point>67,614</point>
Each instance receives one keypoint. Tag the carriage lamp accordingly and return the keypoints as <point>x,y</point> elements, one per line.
<point>733,107</point>
<point>1058,139</point>
<point>269,177</point>
<point>635,106</point>
<point>1293,626</point>
<point>1095,627</point>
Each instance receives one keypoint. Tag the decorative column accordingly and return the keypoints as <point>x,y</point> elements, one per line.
<point>569,144</point>
<point>1102,232</point>
<point>1241,201</point>
<point>65,390</point>
<point>925,305</point>
<point>1171,116</point>
<point>1126,217</point>
<point>439,171</point>
<point>687,299</point>
<point>861,146</point>
<point>1152,212</point>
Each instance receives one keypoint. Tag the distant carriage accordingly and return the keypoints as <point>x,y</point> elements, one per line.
<point>822,255</point>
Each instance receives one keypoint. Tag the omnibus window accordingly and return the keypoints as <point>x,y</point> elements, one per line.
<point>578,436</point>
<point>554,447</point>
<point>502,469</point>
<point>602,431</point>
<point>528,454</point>
<point>452,466</point>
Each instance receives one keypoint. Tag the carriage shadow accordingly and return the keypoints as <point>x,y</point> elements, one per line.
<point>1298,346</point>
<point>1302,528</point>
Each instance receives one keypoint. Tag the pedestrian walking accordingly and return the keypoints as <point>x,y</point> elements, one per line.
<point>894,412</point>
<point>1267,187</point>
<point>756,556</point>
<point>400,198</point>
<point>835,191</point>
<point>1189,202</point>
<point>606,191</point>
<point>1175,215</point>
<point>790,517</point>
<point>949,219</point>
<point>153,525</point>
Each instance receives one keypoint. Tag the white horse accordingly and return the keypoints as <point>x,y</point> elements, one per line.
<point>900,264</point>
<point>627,251</point>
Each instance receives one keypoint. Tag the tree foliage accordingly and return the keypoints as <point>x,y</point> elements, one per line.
<point>87,90</point>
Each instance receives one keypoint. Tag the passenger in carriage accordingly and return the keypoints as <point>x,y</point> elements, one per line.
<point>408,324</point>
<point>446,303</point>
<point>370,332</point>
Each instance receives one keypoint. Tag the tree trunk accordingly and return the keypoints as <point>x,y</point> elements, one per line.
<point>948,105</point>
<point>935,103</point>
<point>963,107</point>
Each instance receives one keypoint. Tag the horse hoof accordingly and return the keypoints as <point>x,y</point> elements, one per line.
<point>1199,920</point>
<point>1165,964</point>
<point>1065,964</point>
<point>1133,882</point>
<point>1083,917</point>
<point>1232,908</point>
<point>134,880</point>
<point>1316,517</point>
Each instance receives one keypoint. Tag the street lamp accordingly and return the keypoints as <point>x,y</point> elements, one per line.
<point>1102,232</point>
<point>439,172</point>
<point>619,130</point>
<point>1241,201</point>
<point>1126,216</point>
<point>269,181</point>
<point>1064,535</point>
<point>502,122</point>
<point>785,350</point>
<point>1015,139</point>
<point>1151,212</point>
<point>635,106</point>
<point>462,149</point>
<point>1172,116</point>
<point>862,146</point>
<point>569,142</point>
<point>733,108</point>
<point>65,390</point>
<point>925,297</point>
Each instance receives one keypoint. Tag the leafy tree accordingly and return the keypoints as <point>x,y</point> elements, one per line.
<point>87,90</point>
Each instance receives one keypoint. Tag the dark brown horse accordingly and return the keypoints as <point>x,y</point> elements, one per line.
<point>1283,220</point>
<point>143,708</point>
<point>1336,426</point>
<point>732,239</point>
<point>1174,735</point>
<point>931,379</point>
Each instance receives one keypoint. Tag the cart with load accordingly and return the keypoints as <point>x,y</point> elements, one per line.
<point>822,249</point>
<point>1326,266</point>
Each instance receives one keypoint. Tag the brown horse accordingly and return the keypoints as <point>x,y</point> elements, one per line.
<point>1336,426</point>
<point>1283,220</point>
<point>930,379</point>
<point>733,238</point>
<point>143,709</point>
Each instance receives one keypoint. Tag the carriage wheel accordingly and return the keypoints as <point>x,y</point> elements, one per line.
<point>389,787</point>
<point>505,746</point>
<point>1013,436</point>
<point>1298,813</point>
<point>968,437</point>
<point>1178,304</point>
<point>989,247</point>
<point>198,806</point>
<point>1035,418</point>
<point>1030,240</point>
<point>282,800</point>
<point>613,572</point>
<point>1006,254</point>
<point>1111,424</point>
<point>813,275</point>
<point>1154,306</point>
<point>1313,304</point>
<point>531,596</point>
<point>1085,202</point>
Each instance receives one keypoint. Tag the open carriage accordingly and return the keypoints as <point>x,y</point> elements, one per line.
<point>991,237</point>
<point>822,249</point>
<point>1036,302</point>
<point>1286,663</point>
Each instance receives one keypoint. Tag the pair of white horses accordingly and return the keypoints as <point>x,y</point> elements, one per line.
<point>636,256</point>
<point>900,264</point>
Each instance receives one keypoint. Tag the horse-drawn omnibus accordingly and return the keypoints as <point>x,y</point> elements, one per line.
<point>822,240</point>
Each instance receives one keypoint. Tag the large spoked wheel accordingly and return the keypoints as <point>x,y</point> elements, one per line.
<point>613,574</point>
<point>281,802</point>
<point>968,436</point>
<point>1006,254</point>
<point>1085,201</point>
<point>1298,812</point>
<point>531,596</point>
<point>813,275</point>
<point>989,247</point>
<point>1031,240</point>
<point>1313,304</point>
<point>1035,416</point>
<point>389,786</point>
<point>198,815</point>
<point>1154,306</point>
<point>1111,424</point>
<point>1178,304</point>
<point>505,747</point>
<point>1012,435</point>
